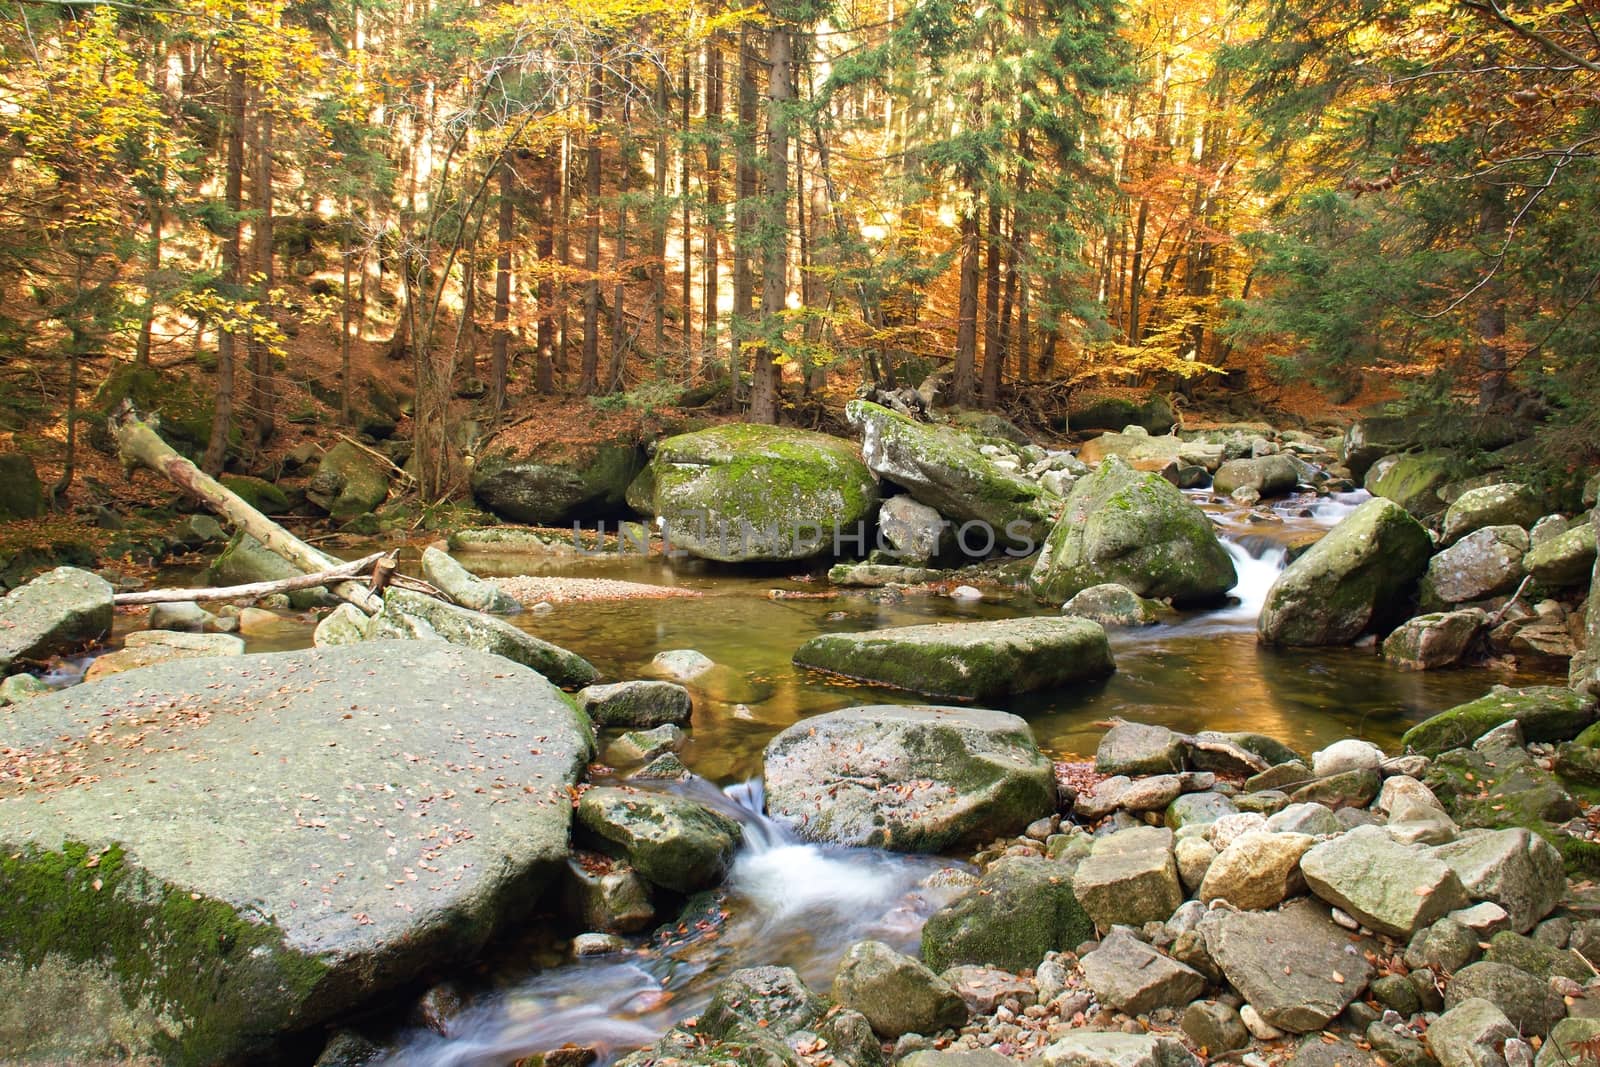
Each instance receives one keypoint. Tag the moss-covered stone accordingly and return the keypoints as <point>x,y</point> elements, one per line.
<point>1112,409</point>
<point>670,840</point>
<point>403,610</point>
<point>247,560</point>
<point>1021,909</point>
<point>201,879</point>
<point>261,495</point>
<point>1495,504</point>
<point>910,779</point>
<point>1359,577</point>
<point>1566,560</point>
<point>20,494</point>
<point>561,483</point>
<point>1545,713</point>
<point>1137,530</point>
<point>980,661</point>
<point>349,482</point>
<point>1413,481</point>
<point>185,409</point>
<point>749,492</point>
<point>943,468</point>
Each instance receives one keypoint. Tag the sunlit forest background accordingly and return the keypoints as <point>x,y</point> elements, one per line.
<point>313,212</point>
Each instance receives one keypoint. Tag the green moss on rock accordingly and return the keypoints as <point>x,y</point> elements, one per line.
<point>1545,713</point>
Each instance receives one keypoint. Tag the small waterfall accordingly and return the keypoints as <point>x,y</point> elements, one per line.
<point>1256,574</point>
<point>1335,506</point>
<point>789,902</point>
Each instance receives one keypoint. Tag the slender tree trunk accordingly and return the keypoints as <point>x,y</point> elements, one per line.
<point>775,268</point>
<point>991,308</point>
<point>156,212</point>
<point>589,369</point>
<point>711,286</point>
<point>500,349</point>
<point>620,342</point>
<point>262,372</point>
<point>344,321</point>
<point>961,383</point>
<point>549,201</point>
<point>564,259</point>
<point>233,189</point>
<point>1491,316</point>
<point>686,310</point>
<point>659,215</point>
<point>744,212</point>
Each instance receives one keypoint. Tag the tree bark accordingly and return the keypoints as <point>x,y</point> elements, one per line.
<point>589,369</point>
<point>499,351</point>
<point>139,445</point>
<point>961,382</point>
<point>1491,318</point>
<point>261,370</point>
<point>992,352</point>
<point>251,590</point>
<point>233,188</point>
<point>744,224</point>
<point>775,265</point>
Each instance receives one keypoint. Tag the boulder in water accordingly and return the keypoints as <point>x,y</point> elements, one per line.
<point>246,560</point>
<point>980,661</point>
<point>1544,713</point>
<point>738,493</point>
<point>944,469</point>
<point>1137,530</point>
<point>1110,604</point>
<point>143,648</point>
<point>1357,578</point>
<point>910,779</point>
<point>464,587</point>
<point>1267,475</point>
<point>59,611</point>
<point>559,483</point>
<point>194,885</point>
<point>670,840</point>
<point>411,615</point>
<point>638,703</point>
<point>1428,642</point>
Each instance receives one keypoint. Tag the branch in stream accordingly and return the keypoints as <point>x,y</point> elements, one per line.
<point>250,590</point>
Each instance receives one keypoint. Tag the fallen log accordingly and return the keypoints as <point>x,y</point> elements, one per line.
<point>252,590</point>
<point>139,445</point>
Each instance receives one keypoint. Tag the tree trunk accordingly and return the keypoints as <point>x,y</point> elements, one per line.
<point>500,348</point>
<point>711,286</point>
<point>589,369</point>
<point>139,445</point>
<point>261,377</point>
<point>744,222</point>
<point>233,188</point>
<point>1491,316</point>
<point>545,292</point>
<point>344,322</point>
<point>620,341</point>
<point>991,308</point>
<point>775,266</point>
<point>686,309</point>
<point>961,381</point>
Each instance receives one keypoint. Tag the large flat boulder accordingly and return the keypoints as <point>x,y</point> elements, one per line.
<point>1138,530</point>
<point>979,661</point>
<point>910,779</point>
<point>56,612</point>
<point>944,468</point>
<point>737,493</point>
<point>1293,965</point>
<point>1358,577</point>
<point>233,848</point>
<point>1542,712</point>
<point>1392,888</point>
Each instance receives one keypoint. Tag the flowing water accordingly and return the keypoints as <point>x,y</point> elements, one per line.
<point>801,905</point>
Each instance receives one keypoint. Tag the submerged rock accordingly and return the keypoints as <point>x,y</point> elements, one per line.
<point>1359,577</point>
<point>1137,530</point>
<point>909,779</point>
<point>59,611</point>
<point>464,587</point>
<point>943,468</point>
<point>201,879</point>
<point>737,493</point>
<point>981,661</point>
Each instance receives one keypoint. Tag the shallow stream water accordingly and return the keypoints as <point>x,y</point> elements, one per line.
<point>801,905</point>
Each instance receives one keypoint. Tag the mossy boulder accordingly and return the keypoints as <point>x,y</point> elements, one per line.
<point>1359,577</point>
<point>1267,475</point>
<point>1137,530</point>
<point>670,840</point>
<point>1584,673</point>
<point>1112,409</point>
<point>59,611</point>
<point>909,779</point>
<point>1368,440</point>
<point>979,661</point>
<point>198,881</point>
<point>20,494</point>
<point>185,410</point>
<point>1413,481</point>
<point>245,560</point>
<point>258,493</point>
<point>1481,564</point>
<point>1567,560</point>
<point>465,588</point>
<point>561,483</point>
<point>1498,504</point>
<point>1544,713</point>
<point>737,493</point>
<point>349,482</point>
<point>942,467</point>
<point>1427,642</point>
<point>1022,908</point>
